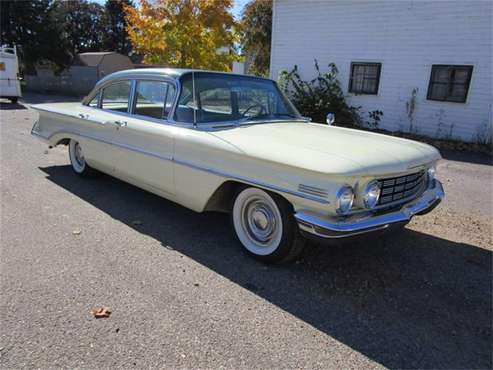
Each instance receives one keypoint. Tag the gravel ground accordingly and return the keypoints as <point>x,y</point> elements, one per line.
<point>184,295</point>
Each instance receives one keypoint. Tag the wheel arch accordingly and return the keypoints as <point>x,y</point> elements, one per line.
<point>222,198</point>
<point>62,138</point>
<point>64,141</point>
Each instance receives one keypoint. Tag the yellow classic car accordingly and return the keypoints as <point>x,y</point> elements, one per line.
<point>215,141</point>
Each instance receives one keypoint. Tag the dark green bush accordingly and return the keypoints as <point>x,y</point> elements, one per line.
<point>316,98</point>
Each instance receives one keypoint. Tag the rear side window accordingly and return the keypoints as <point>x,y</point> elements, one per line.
<point>94,101</point>
<point>153,99</point>
<point>115,96</point>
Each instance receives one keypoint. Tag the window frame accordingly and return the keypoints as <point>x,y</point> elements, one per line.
<point>133,81</point>
<point>96,95</point>
<point>164,118</point>
<point>450,83</point>
<point>217,124</point>
<point>101,95</point>
<point>351,71</point>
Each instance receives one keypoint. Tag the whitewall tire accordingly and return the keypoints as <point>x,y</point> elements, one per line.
<point>77,159</point>
<point>264,224</point>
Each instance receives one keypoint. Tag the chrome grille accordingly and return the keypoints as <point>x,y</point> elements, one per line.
<point>401,188</point>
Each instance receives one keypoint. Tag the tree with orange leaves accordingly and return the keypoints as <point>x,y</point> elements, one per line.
<point>183,33</point>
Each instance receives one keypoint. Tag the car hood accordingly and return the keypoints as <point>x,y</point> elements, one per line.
<point>328,149</point>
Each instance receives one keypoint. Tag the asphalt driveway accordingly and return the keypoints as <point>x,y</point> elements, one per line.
<point>184,295</point>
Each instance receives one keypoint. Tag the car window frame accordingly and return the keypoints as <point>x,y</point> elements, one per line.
<point>133,81</point>
<point>90,99</point>
<point>169,120</point>
<point>134,98</point>
<point>101,95</point>
<point>206,126</point>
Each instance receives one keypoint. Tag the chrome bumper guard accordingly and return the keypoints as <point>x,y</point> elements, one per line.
<point>355,225</point>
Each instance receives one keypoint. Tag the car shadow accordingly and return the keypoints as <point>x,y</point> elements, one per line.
<point>467,157</point>
<point>411,300</point>
<point>11,106</point>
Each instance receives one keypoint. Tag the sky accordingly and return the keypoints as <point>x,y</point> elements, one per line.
<point>237,6</point>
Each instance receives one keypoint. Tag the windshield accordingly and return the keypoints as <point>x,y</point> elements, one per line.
<point>225,98</point>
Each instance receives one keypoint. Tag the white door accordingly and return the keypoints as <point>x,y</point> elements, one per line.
<point>144,140</point>
<point>99,123</point>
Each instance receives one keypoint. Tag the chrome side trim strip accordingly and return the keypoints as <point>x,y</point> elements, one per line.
<point>201,168</point>
<point>251,181</point>
<point>39,136</point>
<point>74,116</point>
<point>312,190</point>
<point>327,229</point>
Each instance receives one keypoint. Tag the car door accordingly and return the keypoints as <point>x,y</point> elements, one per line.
<point>99,120</point>
<point>144,139</point>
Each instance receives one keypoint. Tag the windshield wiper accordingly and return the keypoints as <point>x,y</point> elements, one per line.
<point>269,116</point>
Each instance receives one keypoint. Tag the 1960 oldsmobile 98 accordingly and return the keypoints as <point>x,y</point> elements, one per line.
<point>225,142</point>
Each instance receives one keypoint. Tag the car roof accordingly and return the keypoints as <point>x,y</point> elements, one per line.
<point>174,73</point>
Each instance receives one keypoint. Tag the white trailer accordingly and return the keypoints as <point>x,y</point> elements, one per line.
<point>10,86</point>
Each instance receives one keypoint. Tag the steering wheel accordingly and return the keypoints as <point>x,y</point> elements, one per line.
<point>256,105</point>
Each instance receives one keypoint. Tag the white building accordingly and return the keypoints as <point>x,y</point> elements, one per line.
<point>386,50</point>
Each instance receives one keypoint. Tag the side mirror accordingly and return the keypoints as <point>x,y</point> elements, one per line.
<point>331,117</point>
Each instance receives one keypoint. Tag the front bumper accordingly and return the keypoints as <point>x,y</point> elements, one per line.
<point>333,228</point>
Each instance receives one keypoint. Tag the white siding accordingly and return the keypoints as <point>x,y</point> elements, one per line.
<point>407,37</point>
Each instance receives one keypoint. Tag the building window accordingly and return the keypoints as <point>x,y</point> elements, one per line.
<point>365,78</point>
<point>449,83</point>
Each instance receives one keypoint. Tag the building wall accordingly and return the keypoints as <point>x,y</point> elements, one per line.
<point>407,37</point>
<point>113,63</point>
<point>77,80</point>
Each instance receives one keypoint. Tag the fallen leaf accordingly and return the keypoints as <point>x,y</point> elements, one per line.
<point>76,232</point>
<point>101,312</point>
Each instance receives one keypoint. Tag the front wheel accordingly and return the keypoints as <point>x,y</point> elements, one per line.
<point>265,226</point>
<point>78,161</point>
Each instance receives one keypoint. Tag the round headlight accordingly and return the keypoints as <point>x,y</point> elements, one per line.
<point>345,198</point>
<point>371,194</point>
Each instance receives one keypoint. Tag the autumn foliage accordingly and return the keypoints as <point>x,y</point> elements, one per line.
<point>183,33</point>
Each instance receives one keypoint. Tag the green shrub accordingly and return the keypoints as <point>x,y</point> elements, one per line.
<point>316,98</point>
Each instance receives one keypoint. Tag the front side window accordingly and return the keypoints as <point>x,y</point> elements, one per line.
<point>365,78</point>
<point>115,96</point>
<point>449,83</point>
<point>223,98</point>
<point>153,99</point>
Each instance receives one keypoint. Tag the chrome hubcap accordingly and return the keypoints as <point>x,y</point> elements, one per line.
<point>259,221</point>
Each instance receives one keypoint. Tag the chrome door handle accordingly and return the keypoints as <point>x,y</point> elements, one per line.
<point>117,123</point>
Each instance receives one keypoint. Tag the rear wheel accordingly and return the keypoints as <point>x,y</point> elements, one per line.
<point>265,226</point>
<point>78,161</point>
